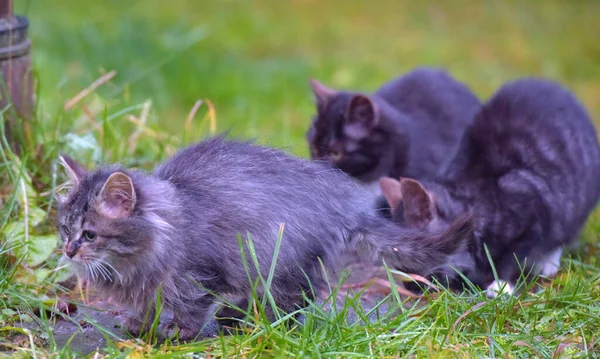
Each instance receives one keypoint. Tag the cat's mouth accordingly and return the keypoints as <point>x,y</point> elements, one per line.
<point>71,257</point>
<point>94,268</point>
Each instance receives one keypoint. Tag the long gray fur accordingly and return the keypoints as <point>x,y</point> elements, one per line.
<point>183,232</point>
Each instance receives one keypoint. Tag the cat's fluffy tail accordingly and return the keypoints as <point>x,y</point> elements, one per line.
<point>413,251</point>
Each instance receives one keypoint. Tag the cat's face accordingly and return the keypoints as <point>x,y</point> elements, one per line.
<point>344,132</point>
<point>100,231</point>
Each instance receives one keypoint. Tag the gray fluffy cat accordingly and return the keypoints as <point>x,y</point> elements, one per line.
<point>529,171</point>
<point>129,232</point>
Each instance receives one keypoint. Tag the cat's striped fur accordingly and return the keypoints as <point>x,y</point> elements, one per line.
<point>528,168</point>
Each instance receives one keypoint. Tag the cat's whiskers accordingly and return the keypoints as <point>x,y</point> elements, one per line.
<point>95,267</point>
<point>102,271</point>
<point>90,270</point>
<point>96,274</point>
<point>98,267</point>
<point>106,264</point>
<point>92,265</point>
<point>87,269</point>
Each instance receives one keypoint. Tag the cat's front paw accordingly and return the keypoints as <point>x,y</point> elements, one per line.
<point>497,288</point>
<point>182,332</point>
<point>134,326</point>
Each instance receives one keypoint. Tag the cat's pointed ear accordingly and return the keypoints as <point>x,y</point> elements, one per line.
<point>419,208</point>
<point>322,94</point>
<point>390,188</point>
<point>117,198</point>
<point>73,168</point>
<point>361,116</point>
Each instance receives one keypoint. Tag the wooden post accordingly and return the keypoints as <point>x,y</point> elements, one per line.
<point>5,8</point>
<point>16,85</point>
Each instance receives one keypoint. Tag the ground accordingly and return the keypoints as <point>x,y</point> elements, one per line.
<point>249,64</point>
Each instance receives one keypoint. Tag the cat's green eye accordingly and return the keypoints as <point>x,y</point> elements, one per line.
<point>90,236</point>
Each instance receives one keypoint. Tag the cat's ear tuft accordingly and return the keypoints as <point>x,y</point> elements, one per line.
<point>390,188</point>
<point>322,94</point>
<point>117,198</point>
<point>419,208</point>
<point>361,116</point>
<point>75,171</point>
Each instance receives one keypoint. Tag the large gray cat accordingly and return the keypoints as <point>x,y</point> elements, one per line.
<point>127,231</point>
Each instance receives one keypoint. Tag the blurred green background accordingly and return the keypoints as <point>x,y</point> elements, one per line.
<point>253,59</point>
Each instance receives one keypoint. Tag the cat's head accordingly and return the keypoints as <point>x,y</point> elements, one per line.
<point>345,132</point>
<point>430,210</point>
<point>102,221</point>
<point>414,206</point>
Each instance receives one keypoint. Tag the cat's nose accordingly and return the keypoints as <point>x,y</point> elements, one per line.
<point>71,249</point>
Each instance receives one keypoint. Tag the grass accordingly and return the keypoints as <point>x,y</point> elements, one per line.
<point>251,62</point>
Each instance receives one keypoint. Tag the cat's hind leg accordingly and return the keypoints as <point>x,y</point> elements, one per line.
<point>190,318</point>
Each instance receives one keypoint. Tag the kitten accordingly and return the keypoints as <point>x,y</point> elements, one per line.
<point>528,169</point>
<point>129,232</point>
<point>410,127</point>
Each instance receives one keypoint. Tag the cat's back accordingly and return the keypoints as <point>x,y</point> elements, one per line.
<point>216,157</point>
<point>212,157</point>
<point>542,102</point>
<point>253,176</point>
<point>433,95</point>
<point>532,122</point>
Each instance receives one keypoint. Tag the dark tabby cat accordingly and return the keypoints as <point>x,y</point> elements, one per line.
<point>410,127</point>
<point>529,171</point>
<point>128,231</point>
